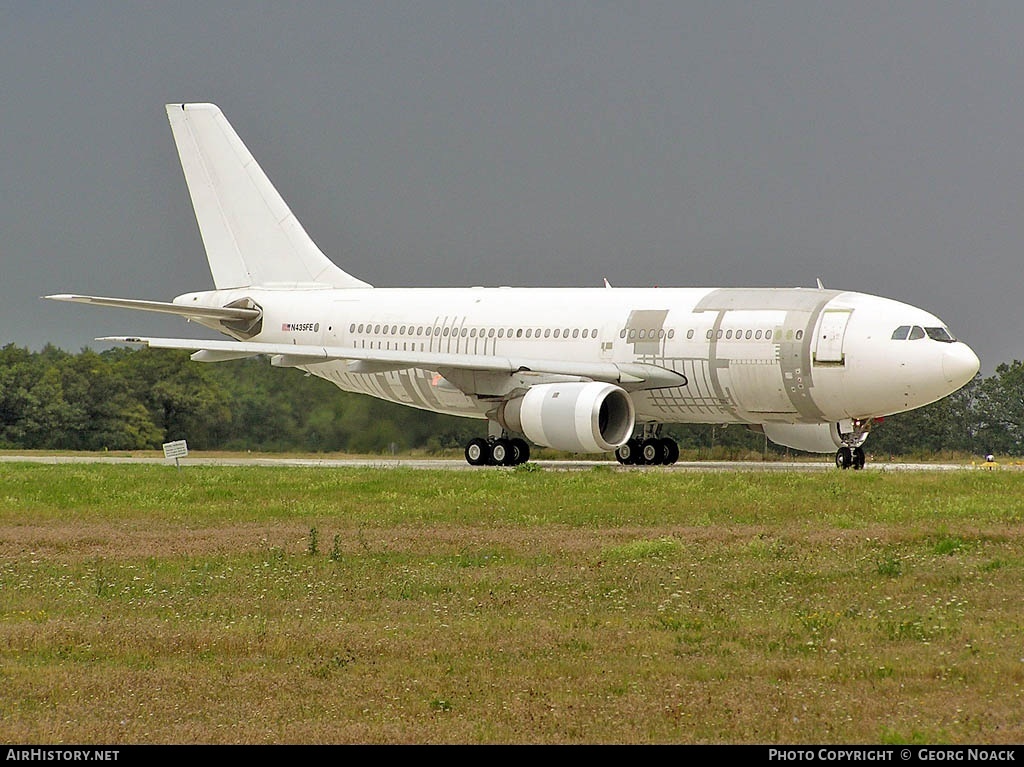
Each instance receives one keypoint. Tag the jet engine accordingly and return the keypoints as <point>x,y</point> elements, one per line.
<point>810,437</point>
<point>589,417</point>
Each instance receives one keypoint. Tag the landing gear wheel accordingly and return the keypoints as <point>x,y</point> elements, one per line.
<point>650,452</point>
<point>521,450</point>
<point>628,453</point>
<point>478,452</point>
<point>669,451</point>
<point>502,453</point>
<point>858,458</point>
<point>844,458</point>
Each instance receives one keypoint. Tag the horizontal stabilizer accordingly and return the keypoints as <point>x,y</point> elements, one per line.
<point>189,312</point>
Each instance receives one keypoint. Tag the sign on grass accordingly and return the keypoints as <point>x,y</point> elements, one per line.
<point>177,449</point>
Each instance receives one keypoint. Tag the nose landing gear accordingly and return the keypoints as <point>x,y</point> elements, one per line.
<point>851,454</point>
<point>850,458</point>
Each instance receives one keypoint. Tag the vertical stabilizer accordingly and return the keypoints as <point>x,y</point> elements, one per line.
<point>250,235</point>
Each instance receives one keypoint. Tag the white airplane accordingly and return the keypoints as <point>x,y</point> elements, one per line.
<point>584,370</point>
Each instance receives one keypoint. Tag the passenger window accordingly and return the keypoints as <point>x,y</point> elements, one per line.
<point>689,334</point>
<point>916,332</point>
<point>709,334</point>
<point>799,334</point>
<point>748,334</point>
<point>586,332</point>
<point>767,334</point>
<point>575,332</point>
<point>547,333</point>
<point>757,335</point>
<point>728,334</point>
<point>900,333</point>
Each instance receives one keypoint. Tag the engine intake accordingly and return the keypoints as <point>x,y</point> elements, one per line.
<point>588,417</point>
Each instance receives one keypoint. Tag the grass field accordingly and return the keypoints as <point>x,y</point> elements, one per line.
<point>254,605</point>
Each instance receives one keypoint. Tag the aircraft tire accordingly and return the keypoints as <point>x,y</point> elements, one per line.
<point>650,452</point>
<point>521,450</point>
<point>478,452</point>
<point>629,453</point>
<point>502,452</point>
<point>844,457</point>
<point>669,451</point>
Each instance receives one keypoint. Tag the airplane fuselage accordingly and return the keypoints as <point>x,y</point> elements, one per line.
<point>749,355</point>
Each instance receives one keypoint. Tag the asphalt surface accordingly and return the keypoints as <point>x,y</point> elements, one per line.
<point>453,464</point>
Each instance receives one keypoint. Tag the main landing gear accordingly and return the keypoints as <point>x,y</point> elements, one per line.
<point>648,449</point>
<point>497,451</point>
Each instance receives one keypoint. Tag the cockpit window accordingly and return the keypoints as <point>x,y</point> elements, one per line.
<point>906,332</point>
<point>940,334</point>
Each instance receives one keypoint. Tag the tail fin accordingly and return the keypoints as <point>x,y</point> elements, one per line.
<point>250,235</point>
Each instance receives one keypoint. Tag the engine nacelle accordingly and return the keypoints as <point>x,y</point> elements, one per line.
<point>810,437</point>
<point>588,417</point>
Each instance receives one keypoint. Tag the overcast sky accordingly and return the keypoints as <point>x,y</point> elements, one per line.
<point>876,145</point>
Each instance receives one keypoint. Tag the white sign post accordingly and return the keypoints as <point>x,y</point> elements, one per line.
<point>176,450</point>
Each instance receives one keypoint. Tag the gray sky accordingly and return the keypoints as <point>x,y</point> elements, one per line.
<point>877,145</point>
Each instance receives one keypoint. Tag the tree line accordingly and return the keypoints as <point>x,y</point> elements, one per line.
<point>137,399</point>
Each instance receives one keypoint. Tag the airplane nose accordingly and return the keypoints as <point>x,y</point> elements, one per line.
<point>960,364</point>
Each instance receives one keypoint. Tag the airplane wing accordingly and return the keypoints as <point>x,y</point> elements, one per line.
<point>630,376</point>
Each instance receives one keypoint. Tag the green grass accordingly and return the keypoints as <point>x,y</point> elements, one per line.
<point>141,604</point>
